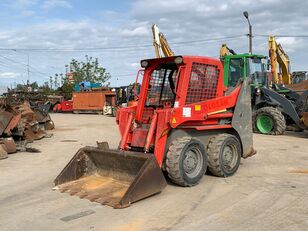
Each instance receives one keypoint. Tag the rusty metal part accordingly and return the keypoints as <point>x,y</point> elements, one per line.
<point>3,153</point>
<point>5,118</point>
<point>33,133</point>
<point>111,177</point>
<point>49,125</point>
<point>41,116</point>
<point>13,123</point>
<point>305,119</point>
<point>9,144</point>
<point>23,122</point>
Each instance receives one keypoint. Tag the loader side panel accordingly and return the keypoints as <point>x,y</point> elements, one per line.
<point>242,119</point>
<point>161,136</point>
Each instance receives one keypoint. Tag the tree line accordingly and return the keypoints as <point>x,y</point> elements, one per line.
<point>77,71</point>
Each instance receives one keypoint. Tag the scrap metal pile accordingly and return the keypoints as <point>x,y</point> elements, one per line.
<point>21,123</point>
<point>302,86</point>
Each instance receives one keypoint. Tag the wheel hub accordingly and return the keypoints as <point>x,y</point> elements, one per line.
<point>264,124</point>
<point>192,162</point>
<point>229,156</point>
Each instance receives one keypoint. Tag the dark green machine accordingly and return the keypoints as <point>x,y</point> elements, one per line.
<point>274,107</point>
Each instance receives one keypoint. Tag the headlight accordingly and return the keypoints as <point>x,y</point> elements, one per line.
<point>258,91</point>
<point>144,63</point>
<point>178,60</point>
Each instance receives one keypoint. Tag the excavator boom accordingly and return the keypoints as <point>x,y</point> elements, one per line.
<point>278,56</point>
<point>160,43</point>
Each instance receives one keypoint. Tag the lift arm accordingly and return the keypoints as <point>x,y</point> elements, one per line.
<point>160,43</point>
<point>278,56</point>
<point>225,50</point>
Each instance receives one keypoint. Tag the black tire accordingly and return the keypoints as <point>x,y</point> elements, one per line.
<point>114,111</point>
<point>224,153</point>
<point>186,161</point>
<point>279,121</point>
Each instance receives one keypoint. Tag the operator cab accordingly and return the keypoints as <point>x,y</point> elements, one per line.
<point>161,89</point>
<point>256,69</point>
<point>240,66</point>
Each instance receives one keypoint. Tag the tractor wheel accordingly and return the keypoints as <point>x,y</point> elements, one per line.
<point>186,161</point>
<point>269,121</point>
<point>224,155</point>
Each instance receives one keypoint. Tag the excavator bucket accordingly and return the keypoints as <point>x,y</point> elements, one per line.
<point>111,177</point>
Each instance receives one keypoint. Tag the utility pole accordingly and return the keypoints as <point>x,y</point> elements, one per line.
<point>28,70</point>
<point>245,13</point>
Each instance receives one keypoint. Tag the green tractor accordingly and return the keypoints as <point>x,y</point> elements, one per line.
<point>274,107</point>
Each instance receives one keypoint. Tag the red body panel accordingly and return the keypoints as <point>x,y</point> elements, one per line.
<point>67,106</point>
<point>147,127</point>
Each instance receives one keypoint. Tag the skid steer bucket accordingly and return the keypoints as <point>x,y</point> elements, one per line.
<point>111,177</point>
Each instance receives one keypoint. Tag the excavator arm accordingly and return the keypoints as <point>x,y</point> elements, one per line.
<point>279,58</point>
<point>225,50</point>
<point>160,43</point>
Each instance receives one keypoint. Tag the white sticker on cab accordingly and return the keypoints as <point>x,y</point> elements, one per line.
<point>176,104</point>
<point>186,112</point>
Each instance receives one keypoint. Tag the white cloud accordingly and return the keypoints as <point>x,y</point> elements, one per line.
<point>51,4</point>
<point>179,20</point>
<point>138,31</point>
<point>290,44</point>
<point>27,13</point>
<point>9,75</point>
<point>135,64</point>
<point>23,4</point>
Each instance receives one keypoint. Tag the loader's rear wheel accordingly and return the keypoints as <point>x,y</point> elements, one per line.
<point>269,121</point>
<point>186,161</point>
<point>224,155</point>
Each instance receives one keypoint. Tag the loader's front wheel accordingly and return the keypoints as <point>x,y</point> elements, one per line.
<point>186,161</point>
<point>269,121</point>
<point>224,155</point>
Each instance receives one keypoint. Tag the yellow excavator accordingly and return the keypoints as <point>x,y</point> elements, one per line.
<point>162,48</point>
<point>279,61</point>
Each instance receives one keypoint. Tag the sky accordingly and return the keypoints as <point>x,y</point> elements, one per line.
<point>49,33</point>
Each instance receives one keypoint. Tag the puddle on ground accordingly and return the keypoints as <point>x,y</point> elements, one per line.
<point>77,215</point>
<point>68,141</point>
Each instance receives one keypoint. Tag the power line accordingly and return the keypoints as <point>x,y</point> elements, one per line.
<point>27,66</point>
<point>140,46</point>
<point>128,47</point>
<point>23,64</point>
<point>282,35</point>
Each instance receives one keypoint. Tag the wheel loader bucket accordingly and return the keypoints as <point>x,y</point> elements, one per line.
<point>111,177</point>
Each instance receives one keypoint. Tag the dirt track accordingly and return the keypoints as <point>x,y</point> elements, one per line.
<point>269,192</point>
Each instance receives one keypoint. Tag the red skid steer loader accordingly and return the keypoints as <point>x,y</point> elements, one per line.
<point>184,123</point>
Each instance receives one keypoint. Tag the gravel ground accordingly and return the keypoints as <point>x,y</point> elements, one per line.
<point>269,191</point>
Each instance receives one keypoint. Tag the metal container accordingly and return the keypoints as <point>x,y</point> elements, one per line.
<point>92,100</point>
